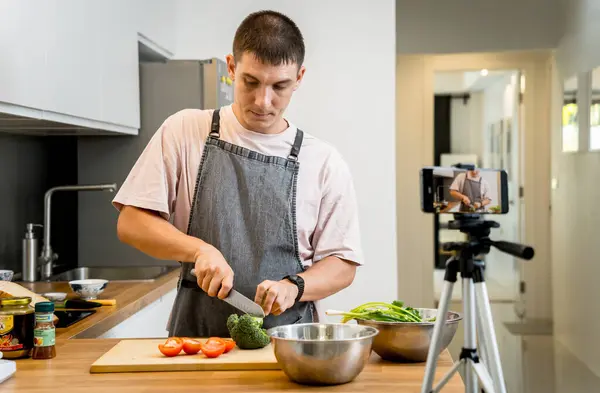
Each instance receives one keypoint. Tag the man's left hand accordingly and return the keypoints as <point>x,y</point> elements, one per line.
<point>276,296</point>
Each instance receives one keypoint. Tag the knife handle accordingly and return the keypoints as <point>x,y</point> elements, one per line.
<point>106,302</point>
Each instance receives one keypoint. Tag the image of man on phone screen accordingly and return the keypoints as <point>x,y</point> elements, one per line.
<point>472,190</point>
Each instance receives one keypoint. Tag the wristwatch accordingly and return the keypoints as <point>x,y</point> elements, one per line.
<point>299,282</point>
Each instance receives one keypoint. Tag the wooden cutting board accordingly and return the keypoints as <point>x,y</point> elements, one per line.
<point>143,355</point>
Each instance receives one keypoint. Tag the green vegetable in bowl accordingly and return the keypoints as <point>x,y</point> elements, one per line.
<point>247,331</point>
<point>383,312</point>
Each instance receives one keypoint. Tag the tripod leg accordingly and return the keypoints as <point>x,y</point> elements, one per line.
<point>489,336</point>
<point>434,347</point>
<point>470,343</point>
<point>449,375</point>
<point>481,372</point>
<point>484,355</point>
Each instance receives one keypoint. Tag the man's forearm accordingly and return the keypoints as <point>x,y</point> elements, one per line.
<point>327,277</point>
<point>457,195</point>
<point>148,232</point>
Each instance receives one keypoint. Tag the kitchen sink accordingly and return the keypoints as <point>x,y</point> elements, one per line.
<point>115,273</point>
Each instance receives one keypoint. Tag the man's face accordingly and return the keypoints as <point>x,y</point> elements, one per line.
<point>262,92</point>
<point>474,173</point>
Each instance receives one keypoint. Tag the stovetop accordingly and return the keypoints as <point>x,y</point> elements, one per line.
<point>67,318</point>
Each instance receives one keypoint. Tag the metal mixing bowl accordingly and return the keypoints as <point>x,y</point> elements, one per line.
<point>409,341</point>
<point>322,354</point>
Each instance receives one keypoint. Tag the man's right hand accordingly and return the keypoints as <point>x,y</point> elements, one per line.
<point>466,201</point>
<point>213,273</point>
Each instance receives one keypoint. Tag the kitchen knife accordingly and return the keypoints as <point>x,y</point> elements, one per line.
<point>77,304</point>
<point>241,302</point>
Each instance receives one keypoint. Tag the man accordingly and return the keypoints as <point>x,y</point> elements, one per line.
<point>472,190</point>
<point>256,204</point>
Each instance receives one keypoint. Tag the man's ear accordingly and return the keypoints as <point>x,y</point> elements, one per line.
<point>299,77</point>
<point>230,66</point>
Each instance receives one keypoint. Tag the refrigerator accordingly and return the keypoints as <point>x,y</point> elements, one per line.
<point>165,88</point>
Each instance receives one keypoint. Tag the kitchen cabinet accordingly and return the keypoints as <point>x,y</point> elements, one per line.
<point>149,322</point>
<point>76,62</point>
<point>22,62</point>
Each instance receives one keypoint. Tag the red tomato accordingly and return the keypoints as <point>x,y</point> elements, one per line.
<point>213,348</point>
<point>171,347</point>
<point>191,346</point>
<point>229,345</point>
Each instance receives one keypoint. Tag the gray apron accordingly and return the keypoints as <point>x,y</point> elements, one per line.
<point>472,190</point>
<point>245,206</point>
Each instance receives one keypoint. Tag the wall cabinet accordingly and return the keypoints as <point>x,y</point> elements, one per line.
<point>76,62</point>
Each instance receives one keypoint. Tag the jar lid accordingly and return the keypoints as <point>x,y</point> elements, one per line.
<point>44,307</point>
<point>15,301</point>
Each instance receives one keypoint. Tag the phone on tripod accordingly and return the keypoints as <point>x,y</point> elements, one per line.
<point>464,190</point>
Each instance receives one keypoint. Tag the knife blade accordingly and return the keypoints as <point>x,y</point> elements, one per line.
<point>241,302</point>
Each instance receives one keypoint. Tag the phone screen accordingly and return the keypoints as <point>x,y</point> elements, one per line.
<point>448,190</point>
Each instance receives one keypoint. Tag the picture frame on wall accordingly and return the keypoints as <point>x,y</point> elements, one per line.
<point>508,142</point>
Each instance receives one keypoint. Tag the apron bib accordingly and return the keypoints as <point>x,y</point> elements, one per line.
<point>472,190</point>
<point>244,205</point>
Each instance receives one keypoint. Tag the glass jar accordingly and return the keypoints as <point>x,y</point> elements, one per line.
<point>17,319</point>
<point>44,333</point>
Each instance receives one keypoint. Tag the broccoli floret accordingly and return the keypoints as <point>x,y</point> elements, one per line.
<point>247,331</point>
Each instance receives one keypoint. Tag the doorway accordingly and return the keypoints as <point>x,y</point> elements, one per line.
<point>477,121</point>
<point>415,87</point>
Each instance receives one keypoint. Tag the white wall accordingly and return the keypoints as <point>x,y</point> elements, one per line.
<point>575,246</point>
<point>466,128</point>
<point>455,26</point>
<point>347,98</point>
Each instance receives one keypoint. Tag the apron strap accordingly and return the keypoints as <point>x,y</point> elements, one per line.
<point>296,147</point>
<point>214,127</point>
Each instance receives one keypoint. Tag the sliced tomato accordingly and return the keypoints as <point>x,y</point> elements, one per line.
<point>171,347</point>
<point>216,339</point>
<point>229,345</point>
<point>213,348</point>
<point>191,346</point>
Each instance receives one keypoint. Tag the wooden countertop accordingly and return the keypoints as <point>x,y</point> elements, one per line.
<point>69,373</point>
<point>130,296</point>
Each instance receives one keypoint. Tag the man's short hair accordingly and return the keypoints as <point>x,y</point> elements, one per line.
<point>270,36</point>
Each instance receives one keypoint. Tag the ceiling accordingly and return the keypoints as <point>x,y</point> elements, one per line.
<point>459,82</point>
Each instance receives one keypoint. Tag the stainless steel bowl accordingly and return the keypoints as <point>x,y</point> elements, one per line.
<point>409,341</point>
<point>322,354</point>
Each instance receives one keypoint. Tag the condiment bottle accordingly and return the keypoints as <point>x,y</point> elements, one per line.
<point>16,327</point>
<point>44,332</point>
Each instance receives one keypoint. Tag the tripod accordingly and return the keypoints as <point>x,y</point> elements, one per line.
<point>478,321</point>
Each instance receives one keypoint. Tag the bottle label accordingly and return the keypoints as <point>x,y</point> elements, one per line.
<point>43,318</point>
<point>44,338</point>
<point>7,323</point>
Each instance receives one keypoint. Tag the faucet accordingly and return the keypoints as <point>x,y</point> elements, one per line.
<point>47,256</point>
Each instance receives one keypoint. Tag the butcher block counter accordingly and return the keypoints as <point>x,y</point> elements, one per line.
<point>78,347</point>
<point>69,373</point>
<point>130,296</point>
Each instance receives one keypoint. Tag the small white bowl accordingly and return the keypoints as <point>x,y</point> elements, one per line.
<point>55,296</point>
<point>88,289</point>
<point>6,275</point>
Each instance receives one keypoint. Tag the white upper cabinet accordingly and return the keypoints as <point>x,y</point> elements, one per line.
<point>22,53</point>
<point>76,61</point>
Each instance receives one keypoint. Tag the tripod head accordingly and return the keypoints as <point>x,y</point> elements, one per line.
<point>478,231</point>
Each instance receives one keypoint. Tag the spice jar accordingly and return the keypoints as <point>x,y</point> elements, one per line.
<point>44,332</point>
<point>16,327</point>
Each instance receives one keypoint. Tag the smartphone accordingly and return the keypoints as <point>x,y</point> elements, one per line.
<point>450,190</point>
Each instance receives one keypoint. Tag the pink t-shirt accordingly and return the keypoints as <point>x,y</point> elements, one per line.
<point>164,176</point>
